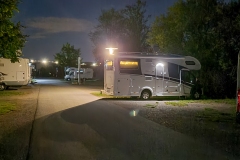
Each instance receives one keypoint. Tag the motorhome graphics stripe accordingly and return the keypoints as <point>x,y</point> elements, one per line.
<point>3,74</point>
<point>171,79</point>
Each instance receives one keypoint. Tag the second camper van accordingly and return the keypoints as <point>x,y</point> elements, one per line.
<point>14,74</point>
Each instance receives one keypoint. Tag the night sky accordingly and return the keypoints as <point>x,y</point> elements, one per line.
<point>52,23</point>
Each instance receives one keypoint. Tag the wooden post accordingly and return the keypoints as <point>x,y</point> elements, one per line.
<point>79,67</point>
<point>238,91</point>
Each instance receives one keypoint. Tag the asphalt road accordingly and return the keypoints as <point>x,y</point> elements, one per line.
<point>71,124</point>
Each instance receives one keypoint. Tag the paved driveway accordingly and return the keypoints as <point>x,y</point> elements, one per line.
<point>71,123</point>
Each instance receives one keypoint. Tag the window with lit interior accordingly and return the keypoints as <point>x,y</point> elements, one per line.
<point>109,65</point>
<point>129,64</point>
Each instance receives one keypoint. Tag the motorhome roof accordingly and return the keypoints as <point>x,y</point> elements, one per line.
<point>149,55</point>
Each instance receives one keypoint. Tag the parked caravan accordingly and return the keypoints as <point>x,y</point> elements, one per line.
<point>14,74</point>
<point>72,73</point>
<point>69,73</point>
<point>145,75</point>
<point>86,73</point>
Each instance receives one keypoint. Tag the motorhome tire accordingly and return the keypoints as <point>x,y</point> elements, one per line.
<point>2,86</point>
<point>196,95</point>
<point>146,94</point>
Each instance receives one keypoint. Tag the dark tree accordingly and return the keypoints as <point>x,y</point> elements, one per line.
<point>68,56</point>
<point>11,38</point>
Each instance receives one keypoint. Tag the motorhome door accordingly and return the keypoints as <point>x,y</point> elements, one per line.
<point>159,79</point>
<point>123,86</point>
<point>187,81</point>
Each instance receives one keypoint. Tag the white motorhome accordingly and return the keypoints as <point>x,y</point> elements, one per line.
<point>14,74</point>
<point>72,73</point>
<point>69,73</point>
<point>144,75</point>
<point>85,73</point>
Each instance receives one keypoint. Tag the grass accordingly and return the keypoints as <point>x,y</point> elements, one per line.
<point>6,107</point>
<point>102,95</point>
<point>211,101</point>
<point>178,103</point>
<point>11,93</point>
<point>182,103</point>
<point>213,115</point>
<point>151,105</point>
<point>99,94</point>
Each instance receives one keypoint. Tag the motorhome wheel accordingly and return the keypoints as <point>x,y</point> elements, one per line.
<point>2,87</point>
<point>196,95</point>
<point>145,94</point>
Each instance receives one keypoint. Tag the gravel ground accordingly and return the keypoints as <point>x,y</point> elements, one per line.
<point>221,133</point>
<point>15,127</point>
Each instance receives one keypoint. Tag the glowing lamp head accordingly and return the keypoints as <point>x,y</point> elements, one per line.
<point>44,61</point>
<point>111,50</point>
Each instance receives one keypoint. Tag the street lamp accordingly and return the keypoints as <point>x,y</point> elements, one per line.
<point>44,61</point>
<point>111,50</point>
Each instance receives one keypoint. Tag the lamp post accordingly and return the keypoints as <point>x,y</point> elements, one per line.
<point>79,68</point>
<point>238,91</point>
<point>111,52</point>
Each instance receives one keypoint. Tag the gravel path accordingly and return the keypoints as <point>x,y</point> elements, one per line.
<point>15,127</point>
<point>221,133</point>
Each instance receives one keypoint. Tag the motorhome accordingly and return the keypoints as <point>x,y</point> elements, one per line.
<point>144,75</point>
<point>72,73</point>
<point>69,73</point>
<point>14,74</point>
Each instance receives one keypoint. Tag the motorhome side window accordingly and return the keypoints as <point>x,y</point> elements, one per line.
<point>109,65</point>
<point>130,66</point>
<point>173,70</point>
<point>188,77</point>
<point>190,62</point>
